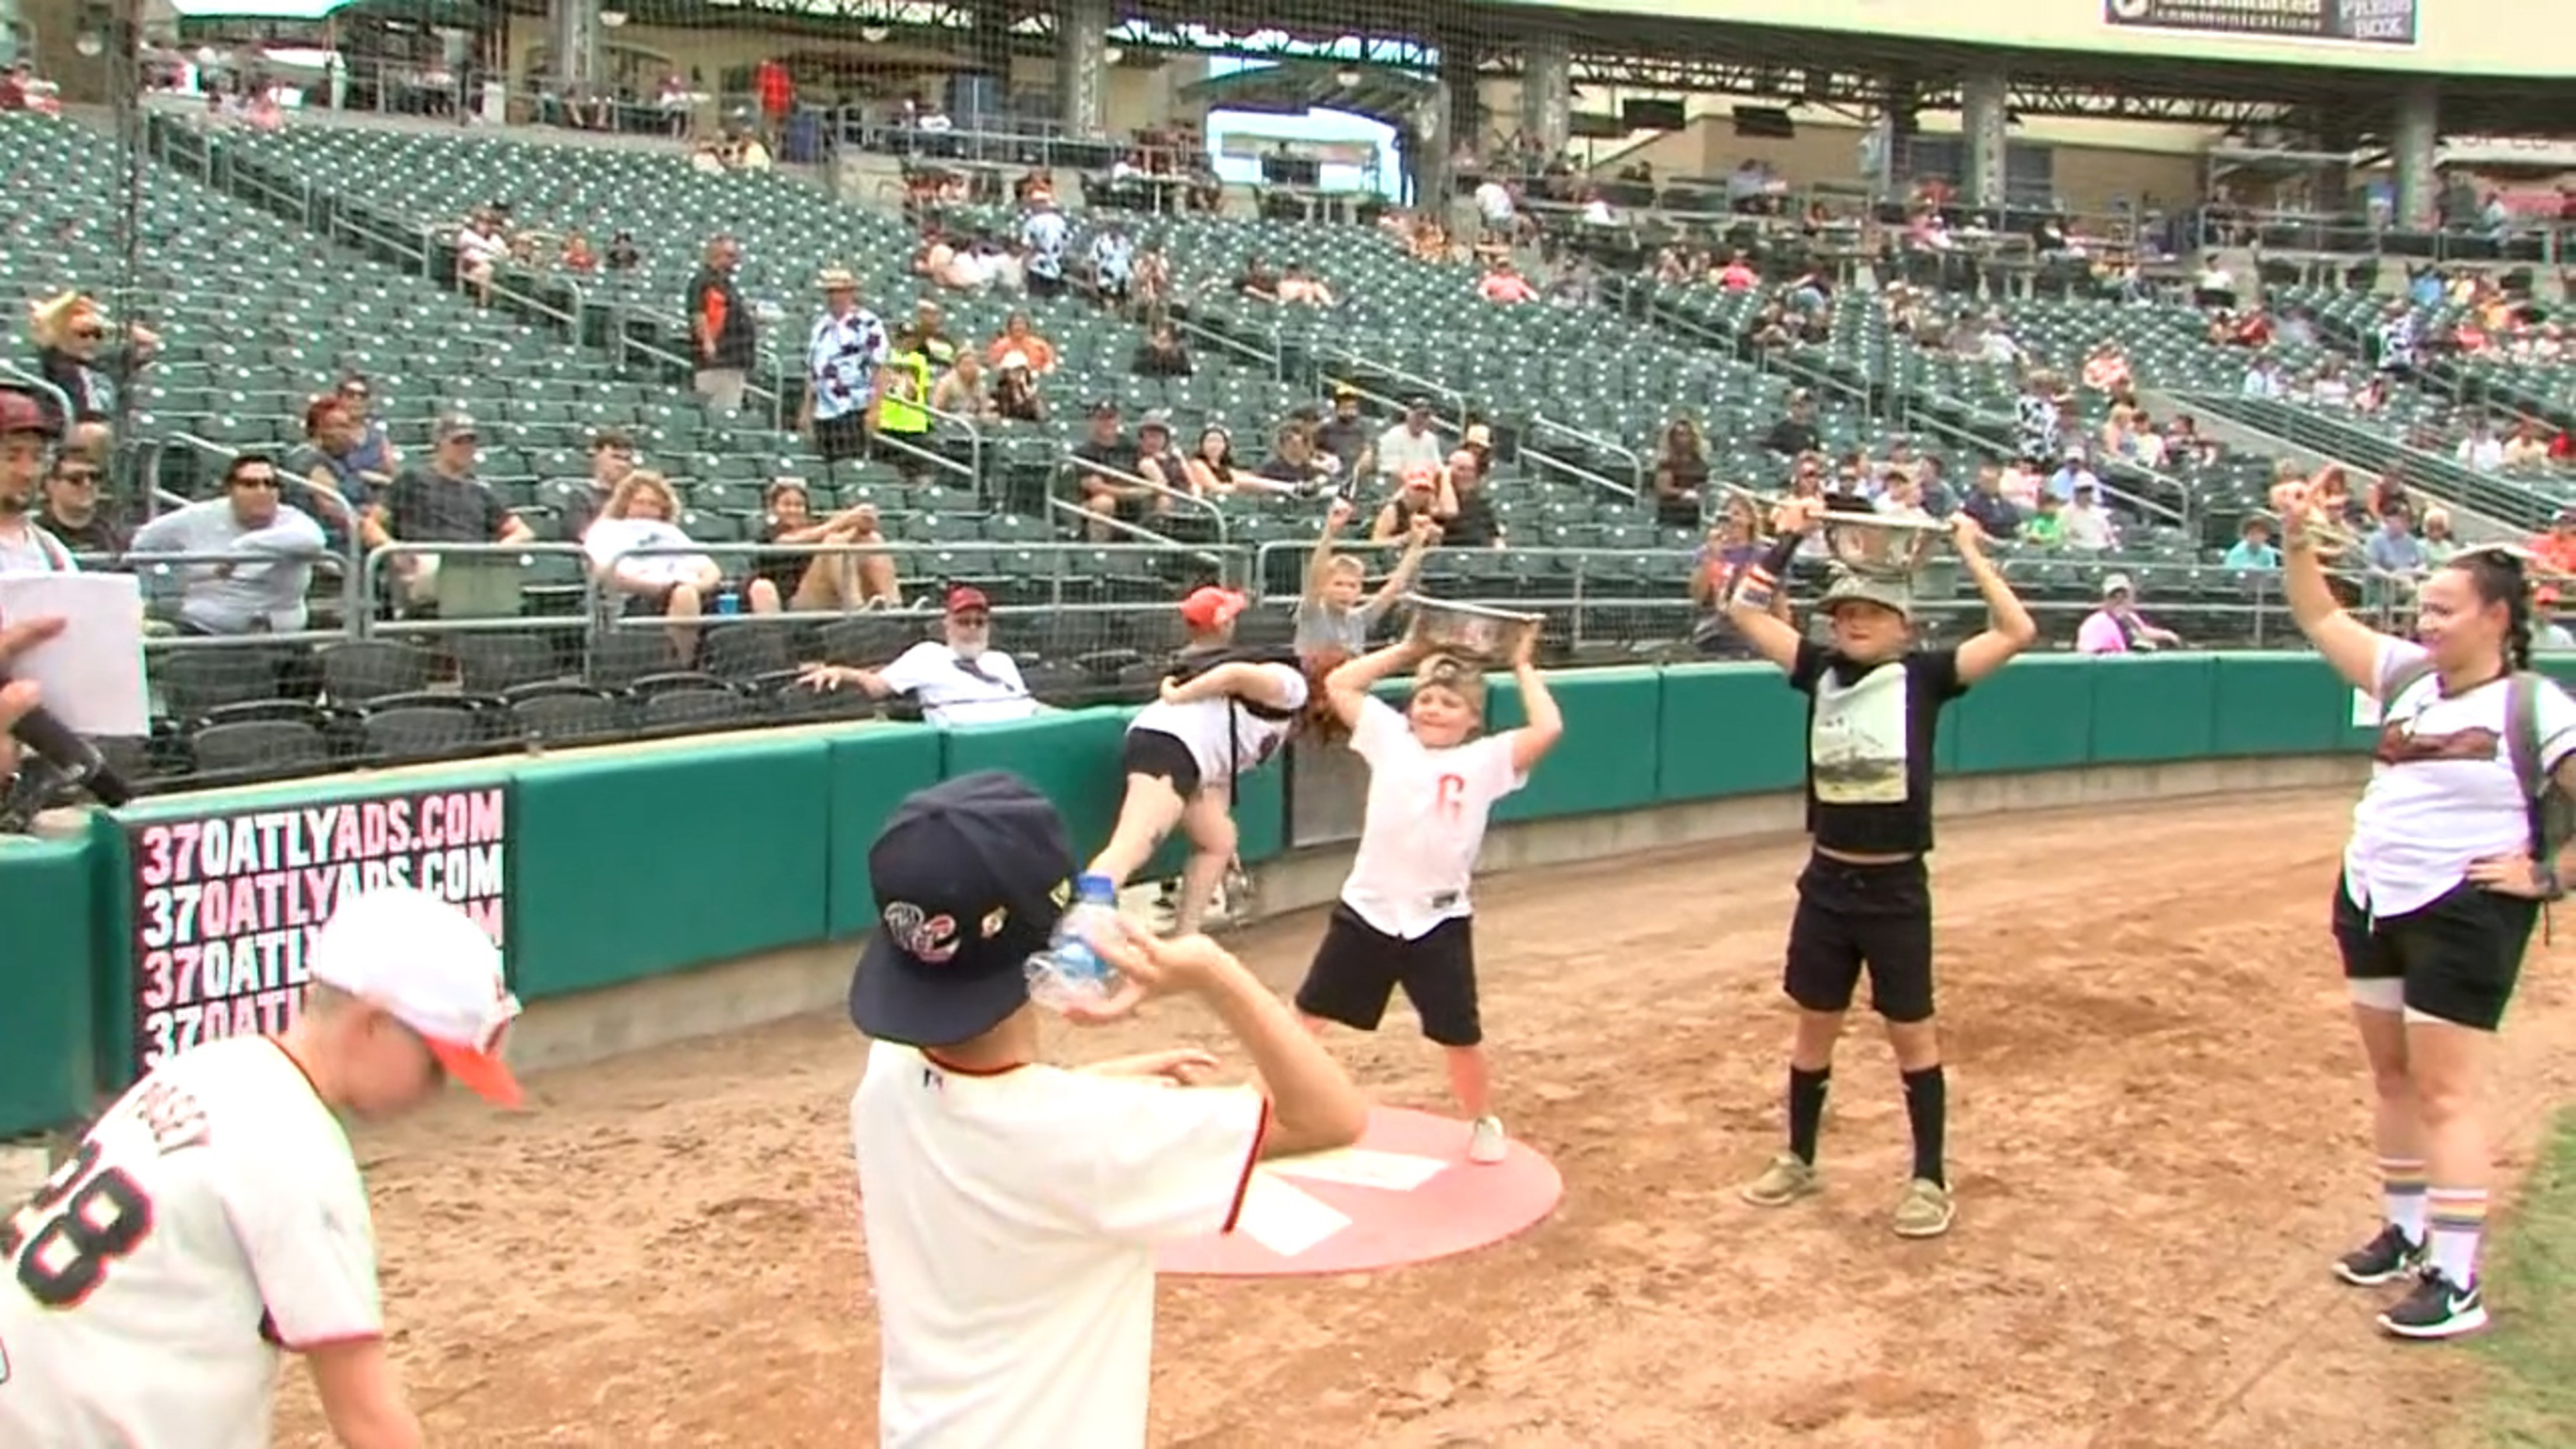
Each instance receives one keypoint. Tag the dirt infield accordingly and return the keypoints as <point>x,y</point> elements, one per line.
<point>2158,1136</point>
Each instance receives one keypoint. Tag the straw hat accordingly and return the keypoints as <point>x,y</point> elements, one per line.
<point>836,279</point>
<point>50,321</point>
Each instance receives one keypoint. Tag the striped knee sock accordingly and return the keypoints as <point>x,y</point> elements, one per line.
<point>2401,1192</point>
<point>2459,1219</point>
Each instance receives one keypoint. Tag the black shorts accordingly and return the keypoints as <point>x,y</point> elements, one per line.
<point>2459,954</point>
<point>1854,917</point>
<point>1358,967</point>
<point>842,439</point>
<point>1152,752</point>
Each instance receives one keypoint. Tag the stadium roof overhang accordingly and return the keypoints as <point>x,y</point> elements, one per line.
<point>1647,51</point>
<point>1295,87</point>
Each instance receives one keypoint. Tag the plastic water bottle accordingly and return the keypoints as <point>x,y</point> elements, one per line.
<point>1073,973</point>
<point>728,603</point>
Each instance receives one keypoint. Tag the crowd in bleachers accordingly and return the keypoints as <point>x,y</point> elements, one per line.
<point>1079,413</point>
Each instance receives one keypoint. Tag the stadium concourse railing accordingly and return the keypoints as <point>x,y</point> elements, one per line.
<point>139,932</point>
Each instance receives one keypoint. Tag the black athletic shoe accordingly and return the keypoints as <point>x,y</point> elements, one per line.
<point>2386,1258</point>
<point>2438,1308</point>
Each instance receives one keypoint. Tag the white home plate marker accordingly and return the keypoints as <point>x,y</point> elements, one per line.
<point>1283,1218</point>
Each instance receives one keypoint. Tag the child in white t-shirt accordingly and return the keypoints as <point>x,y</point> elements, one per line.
<point>1404,919</point>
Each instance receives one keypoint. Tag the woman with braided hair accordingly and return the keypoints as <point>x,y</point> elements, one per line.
<point>2442,881</point>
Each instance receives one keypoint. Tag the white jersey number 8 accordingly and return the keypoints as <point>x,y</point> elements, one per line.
<point>78,1223</point>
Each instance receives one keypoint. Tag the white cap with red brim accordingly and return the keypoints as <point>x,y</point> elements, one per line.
<point>428,965</point>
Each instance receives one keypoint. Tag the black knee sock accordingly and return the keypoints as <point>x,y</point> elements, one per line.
<point>1927,1107</point>
<point>1806,1110</point>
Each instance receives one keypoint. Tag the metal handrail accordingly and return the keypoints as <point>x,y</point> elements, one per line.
<point>1542,424</point>
<point>1351,357</point>
<point>903,443</point>
<point>1276,359</point>
<point>974,436</point>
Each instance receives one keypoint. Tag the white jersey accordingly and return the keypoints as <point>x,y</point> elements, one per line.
<point>1425,822</point>
<point>2443,791</point>
<point>212,1216</point>
<point>1011,1223</point>
<point>1224,738</point>
<point>954,690</point>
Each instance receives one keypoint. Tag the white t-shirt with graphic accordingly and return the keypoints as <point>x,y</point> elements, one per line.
<point>607,541</point>
<point>1221,734</point>
<point>2442,790</point>
<point>1011,1224</point>
<point>1427,811</point>
<point>955,690</point>
<point>214,1214</point>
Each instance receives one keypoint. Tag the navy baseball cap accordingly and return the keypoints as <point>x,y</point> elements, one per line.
<point>970,877</point>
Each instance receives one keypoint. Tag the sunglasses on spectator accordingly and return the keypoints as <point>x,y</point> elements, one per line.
<point>89,334</point>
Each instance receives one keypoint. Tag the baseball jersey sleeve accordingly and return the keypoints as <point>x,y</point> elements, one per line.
<point>302,1221</point>
<point>1491,774</point>
<point>913,668</point>
<point>2396,657</point>
<point>1292,682</point>
<point>1378,729</point>
<point>1173,1162</point>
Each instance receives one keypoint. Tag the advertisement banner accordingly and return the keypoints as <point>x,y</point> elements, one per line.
<point>226,902</point>
<point>2370,22</point>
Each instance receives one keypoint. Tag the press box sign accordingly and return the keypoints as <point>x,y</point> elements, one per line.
<point>226,904</point>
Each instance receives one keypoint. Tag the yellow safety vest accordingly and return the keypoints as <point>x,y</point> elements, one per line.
<point>900,409</point>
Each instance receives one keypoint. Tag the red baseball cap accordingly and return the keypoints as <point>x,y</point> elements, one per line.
<point>964,598</point>
<point>1211,608</point>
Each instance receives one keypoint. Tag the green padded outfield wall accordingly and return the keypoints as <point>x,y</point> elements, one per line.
<point>639,861</point>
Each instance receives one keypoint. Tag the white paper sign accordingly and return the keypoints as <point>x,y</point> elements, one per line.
<point>92,672</point>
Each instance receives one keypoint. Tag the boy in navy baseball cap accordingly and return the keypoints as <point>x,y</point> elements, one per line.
<point>970,877</point>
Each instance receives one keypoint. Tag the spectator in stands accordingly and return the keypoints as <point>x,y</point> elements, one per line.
<point>965,391</point>
<point>481,248</point>
<point>1344,437</point>
<point>2395,341</point>
<point>2329,385</point>
<point>2213,285</point>
<point>812,582</point>
<point>961,679</point>
<point>2436,539</point>
<point>1681,474</point>
<point>1113,264</point>
<point>634,549</point>
<point>1333,619</point>
<point>331,484</point>
<point>1302,288</point>
<point>2481,451</point>
<point>2085,524</point>
<point>2264,380</point>
<point>2253,548</point>
<point>2074,476</point>
<point>612,458</point>
<point>2107,368</point>
<point>2036,415</point>
<point>2392,550</point>
<point>375,459</point>
<point>844,355</point>
<point>1795,433</point>
<point>1049,239</point>
<point>901,408</point>
<point>1162,354</point>
<point>27,435</point>
<point>1210,468</point>
<point>442,502</point>
<point>1497,211</point>
<point>622,253</point>
<point>1423,492</point>
<point>1293,466</point>
<point>1469,521</point>
<point>1504,284</point>
<point>1999,516</point>
<point>2117,627</point>
<point>1410,443</point>
<point>71,512</point>
<point>2527,451</point>
<point>1015,391</point>
<point>70,332</point>
<point>1734,543</point>
<point>1017,336</point>
<point>1105,470</point>
<point>1156,463</point>
<point>721,327</point>
<point>578,256</point>
<point>267,549</point>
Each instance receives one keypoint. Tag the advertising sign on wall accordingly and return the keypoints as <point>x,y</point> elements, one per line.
<point>2374,22</point>
<point>225,903</point>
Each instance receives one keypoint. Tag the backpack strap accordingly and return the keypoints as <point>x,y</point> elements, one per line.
<point>2522,740</point>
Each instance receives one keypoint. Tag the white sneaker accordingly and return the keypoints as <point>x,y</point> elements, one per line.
<point>1486,1144</point>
